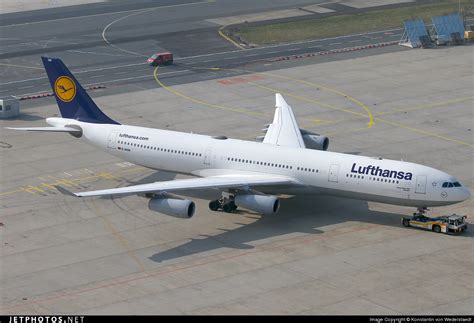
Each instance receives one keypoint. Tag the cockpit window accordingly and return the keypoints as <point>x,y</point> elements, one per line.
<point>455,184</point>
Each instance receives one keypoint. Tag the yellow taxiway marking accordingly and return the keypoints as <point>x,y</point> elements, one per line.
<point>169,89</point>
<point>48,186</point>
<point>65,183</point>
<point>107,175</point>
<point>369,113</point>
<point>28,190</point>
<point>302,98</point>
<point>424,132</point>
<point>35,188</point>
<point>426,106</point>
<point>221,33</point>
<point>318,86</point>
<point>71,182</point>
<point>363,106</point>
<point>375,118</point>
<point>124,242</point>
<point>12,192</point>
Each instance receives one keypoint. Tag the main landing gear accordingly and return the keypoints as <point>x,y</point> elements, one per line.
<point>226,204</point>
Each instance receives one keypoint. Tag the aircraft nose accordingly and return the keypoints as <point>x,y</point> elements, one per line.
<point>465,194</point>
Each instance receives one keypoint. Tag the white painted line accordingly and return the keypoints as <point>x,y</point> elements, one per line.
<point>335,43</point>
<point>136,77</point>
<point>355,41</point>
<point>111,81</point>
<point>76,72</point>
<point>99,54</point>
<point>25,87</point>
<point>96,76</point>
<point>21,81</point>
<point>120,73</point>
<point>117,20</point>
<point>292,44</point>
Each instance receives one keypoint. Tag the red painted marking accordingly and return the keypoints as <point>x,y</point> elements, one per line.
<point>241,79</point>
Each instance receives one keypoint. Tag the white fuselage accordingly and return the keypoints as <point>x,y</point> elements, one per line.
<point>320,172</point>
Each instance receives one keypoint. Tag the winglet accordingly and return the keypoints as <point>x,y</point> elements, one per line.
<point>279,101</point>
<point>64,191</point>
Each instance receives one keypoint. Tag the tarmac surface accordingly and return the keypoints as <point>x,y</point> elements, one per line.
<point>108,43</point>
<point>318,255</point>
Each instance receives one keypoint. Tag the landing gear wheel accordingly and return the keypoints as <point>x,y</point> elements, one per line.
<point>437,228</point>
<point>229,207</point>
<point>214,205</point>
<point>406,223</point>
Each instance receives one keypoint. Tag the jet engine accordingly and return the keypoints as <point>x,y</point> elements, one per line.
<point>173,207</point>
<point>266,204</point>
<point>314,141</point>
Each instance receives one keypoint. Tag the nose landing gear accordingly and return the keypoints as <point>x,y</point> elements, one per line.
<point>226,204</point>
<point>421,211</point>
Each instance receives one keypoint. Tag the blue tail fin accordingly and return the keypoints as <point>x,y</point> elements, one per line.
<point>72,99</point>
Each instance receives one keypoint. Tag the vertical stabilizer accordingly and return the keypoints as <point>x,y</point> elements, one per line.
<point>72,99</point>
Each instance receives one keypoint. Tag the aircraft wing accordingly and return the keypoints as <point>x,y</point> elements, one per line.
<point>218,182</point>
<point>284,131</point>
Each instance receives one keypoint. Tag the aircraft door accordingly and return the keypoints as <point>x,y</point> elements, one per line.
<point>112,141</point>
<point>333,173</point>
<point>421,184</point>
<point>207,156</point>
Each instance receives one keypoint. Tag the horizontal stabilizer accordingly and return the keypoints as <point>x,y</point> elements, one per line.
<point>49,129</point>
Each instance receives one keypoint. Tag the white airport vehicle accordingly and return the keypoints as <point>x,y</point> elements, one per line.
<point>289,160</point>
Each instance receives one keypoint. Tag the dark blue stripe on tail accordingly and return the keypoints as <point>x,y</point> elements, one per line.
<point>72,99</point>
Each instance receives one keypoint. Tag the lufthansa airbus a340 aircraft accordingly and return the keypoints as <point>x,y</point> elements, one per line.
<point>289,160</point>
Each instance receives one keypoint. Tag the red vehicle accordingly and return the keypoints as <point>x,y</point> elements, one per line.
<point>160,59</point>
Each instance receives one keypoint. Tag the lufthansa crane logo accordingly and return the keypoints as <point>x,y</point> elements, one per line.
<point>65,88</point>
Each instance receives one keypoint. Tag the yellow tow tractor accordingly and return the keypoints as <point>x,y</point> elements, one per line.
<point>444,224</point>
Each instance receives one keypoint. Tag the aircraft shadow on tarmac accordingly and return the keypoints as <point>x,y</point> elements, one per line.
<point>301,214</point>
<point>298,214</point>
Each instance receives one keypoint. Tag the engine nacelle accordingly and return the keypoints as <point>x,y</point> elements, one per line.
<point>265,204</point>
<point>314,141</point>
<point>174,207</point>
